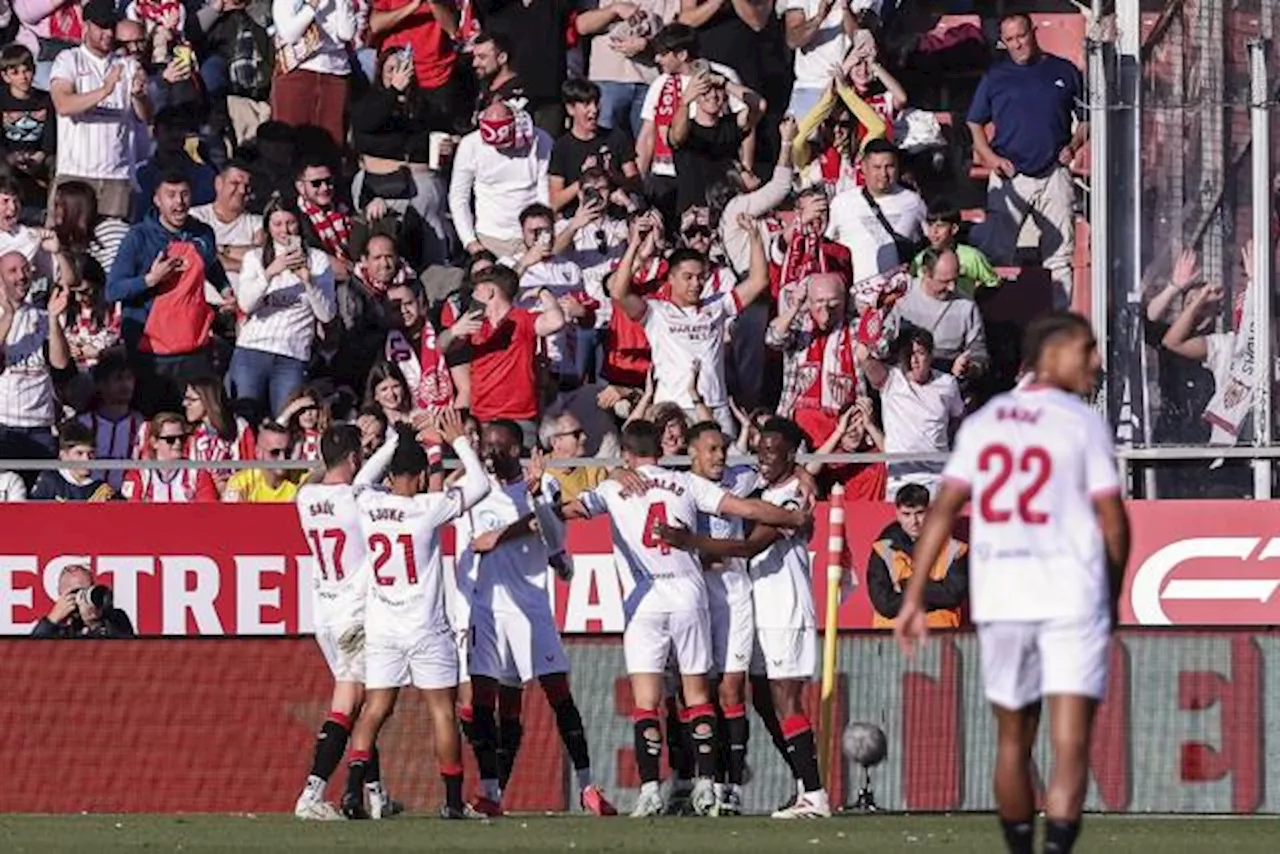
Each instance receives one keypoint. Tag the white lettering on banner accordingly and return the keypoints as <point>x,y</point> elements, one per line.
<point>121,572</point>
<point>306,565</point>
<point>11,596</point>
<point>252,595</point>
<point>1149,587</point>
<point>598,573</point>
<point>199,599</point>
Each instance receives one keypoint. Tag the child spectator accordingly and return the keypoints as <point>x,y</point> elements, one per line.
<point>30,131</point>
<point>91,323</point>
<point>115,424</point>
<point>941,229</point>
<point>75,442</point>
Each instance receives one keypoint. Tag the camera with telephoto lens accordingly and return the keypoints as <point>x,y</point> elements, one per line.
<point>99,596</point>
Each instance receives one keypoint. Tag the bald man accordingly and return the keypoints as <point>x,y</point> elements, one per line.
<point>499,169</point>
<point>933,304</point>
<point>32,347</point>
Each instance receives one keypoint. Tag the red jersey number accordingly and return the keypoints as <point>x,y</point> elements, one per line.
<point>998,460</point>
<point>657,516</point>
<point>332,563</point>
<point>382,548</point>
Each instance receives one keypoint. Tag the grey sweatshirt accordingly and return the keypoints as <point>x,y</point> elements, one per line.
<point>955,324</point>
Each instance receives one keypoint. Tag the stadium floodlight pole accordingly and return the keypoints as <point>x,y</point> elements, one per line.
<point>831,629</point>
<point>1259,295</point>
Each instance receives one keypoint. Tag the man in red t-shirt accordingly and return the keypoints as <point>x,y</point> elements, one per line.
<point>504,349</point>
<point>429,27</point>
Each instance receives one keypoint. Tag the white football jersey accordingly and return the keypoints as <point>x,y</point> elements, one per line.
<point>331,526</point>
<point>407,588</point>
<point>730,584</point>
<point>512,577</point>
<point>678,336</point>
<point>667,579</point>
<point>1034,459</point>
<point>781,579</point>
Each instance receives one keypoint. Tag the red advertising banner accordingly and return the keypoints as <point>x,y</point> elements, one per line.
<point>244,569</point>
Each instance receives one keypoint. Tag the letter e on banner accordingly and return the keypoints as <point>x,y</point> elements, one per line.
<point>13,597</point>
<point>253,594</point>
<point>1239,714</point>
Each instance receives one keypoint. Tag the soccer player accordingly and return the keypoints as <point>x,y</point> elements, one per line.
<point>1049,542</point>
<point>667,608</point>
<point>514,637</point>
<point>331,527</point>
<point>785,618</point>
<point>408,636</point>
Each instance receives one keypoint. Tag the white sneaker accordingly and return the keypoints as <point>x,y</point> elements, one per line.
<point>808,805</point>
<point>649,803</point>
<point>382,805</point>
<point>703,797</point>
<point>309,810</point>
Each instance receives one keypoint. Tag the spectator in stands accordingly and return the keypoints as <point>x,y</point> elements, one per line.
<point>75,444</point>
<point>882,223</point>
<point>116,426</point>
<point>81,229</point>
<point>622,57</point>
<point>820,32</point>
<point>585,146</point>
<point>564,439</point>
<point>313,63</point>
<point>387,393</point>
<point>101,102</point>
<point>504,164</point>
<point>306,416</point>
<point>941,227</point>
<point>428,29</point>
<point>873,83</point>
<point>34,348</point>
<point>286,291</point>
<point>959,338</point>
<point>686,330</point>
<point>710,141</point>
<point>254,486</point>
<point>173,127</point>
<point>324,222</point>
<point>76,615</point>
<point>91,324</point>
<point>733,34</point>
<point>856,432</point>
<point>627,354</point>
<point>12,488</point>
<point>235,230</point>
<point>40,246</point>
<point>273,165</point>
<point>47,28</point>
<point>503,349</point>
<point>166,436</point>
<point>30,131</point>
<point>536,32</point>
<point>373,426</point>
<point>921,407</point>
<point>217,433</point>
<point>491,55</point>
<point>411,343</point>
<point>1031,98</point>
<point>363,305</point>
<point>237,40</point>
<point>595,237</point>
<point>160,276</point>
<point>889,567</point>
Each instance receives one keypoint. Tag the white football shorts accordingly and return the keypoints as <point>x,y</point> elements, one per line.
<point>733,635</point>
<point>515,648</point>
<point>650,636</point>
<point>343,649</point>
<point>430,662</point>
<point>786,653</point>
<point>1024,661</point>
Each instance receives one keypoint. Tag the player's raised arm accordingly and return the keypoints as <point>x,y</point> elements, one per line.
<point>938,525</point>
<point>475,480</point>
<point>375,468</point>
<point>490,540</point>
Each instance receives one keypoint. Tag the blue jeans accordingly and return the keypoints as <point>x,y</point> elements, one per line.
<point>803,101</point>
<point>620,104</point>
<point>267,378</point>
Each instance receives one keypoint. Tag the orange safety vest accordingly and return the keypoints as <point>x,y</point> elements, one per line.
<point>901,569</point>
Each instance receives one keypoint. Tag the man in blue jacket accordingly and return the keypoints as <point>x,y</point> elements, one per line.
<point>166,276</point>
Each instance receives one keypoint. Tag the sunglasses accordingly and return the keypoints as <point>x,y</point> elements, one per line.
<point>171,440</point>
<point>317,183</point>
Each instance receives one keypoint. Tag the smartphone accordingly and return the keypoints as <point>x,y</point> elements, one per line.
<point>699,67</point>
<point>592,196</point>
<point>544,238</point>
<point>293,243</point>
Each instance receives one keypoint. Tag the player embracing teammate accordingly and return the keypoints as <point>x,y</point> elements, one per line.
<point>1049,543</point>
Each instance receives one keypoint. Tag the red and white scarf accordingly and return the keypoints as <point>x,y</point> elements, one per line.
<point>804,257</point>
<point>514,132</point>
<point>66,25</point>
<point>828,378</point>
<point>664,114</point>
<point>333,226</point>
<point>433,390</point>
<point>164,13</point>
<point>402,276</point>
<point>308,446</point>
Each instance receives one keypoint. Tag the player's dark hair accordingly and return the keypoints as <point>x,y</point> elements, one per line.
<point>786,429</point>
<point>73,434</point>
<point>696,431</point>
<point>683,255</point>
<point>642,439</point>
<point>339,442</point>
<point>912,495</point>
<point>911,335</point>
<point>511,428</point>
<point>409,456</point>
<point>1048,328</point>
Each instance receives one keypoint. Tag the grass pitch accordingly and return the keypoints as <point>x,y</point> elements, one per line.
<point>882,834</point>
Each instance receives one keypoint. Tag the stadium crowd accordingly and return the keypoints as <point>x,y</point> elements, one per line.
<point>226,225</point>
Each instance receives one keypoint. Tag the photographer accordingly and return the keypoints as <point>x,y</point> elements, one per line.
<point>83,609</point>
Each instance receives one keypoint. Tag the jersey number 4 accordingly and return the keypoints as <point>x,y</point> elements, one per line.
<point>657,516</point>
<point>382,548</point>
<point>999,461</point>
<point>333,561</point>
